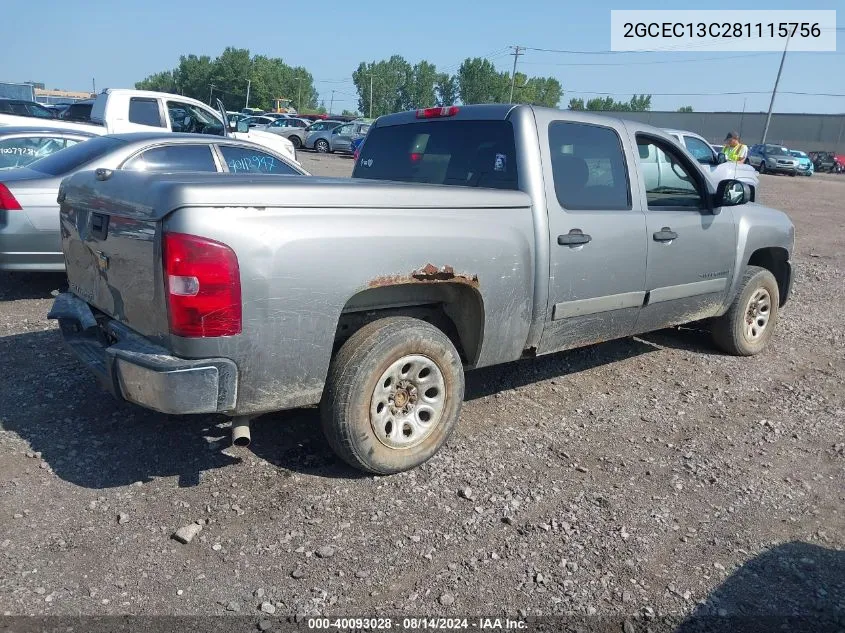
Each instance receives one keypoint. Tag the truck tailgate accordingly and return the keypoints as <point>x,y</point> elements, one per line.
<point>111,238</point>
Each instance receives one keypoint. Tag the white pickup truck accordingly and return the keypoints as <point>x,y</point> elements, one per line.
<point>118,111</point>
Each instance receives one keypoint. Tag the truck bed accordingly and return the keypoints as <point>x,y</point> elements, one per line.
<point>305,248</point>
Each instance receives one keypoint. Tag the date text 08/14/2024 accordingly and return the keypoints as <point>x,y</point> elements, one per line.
<point>417,624</point>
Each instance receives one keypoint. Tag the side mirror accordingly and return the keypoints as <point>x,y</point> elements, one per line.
<point>731,193</point>
<point>243,127</point>
<point>721,158</point>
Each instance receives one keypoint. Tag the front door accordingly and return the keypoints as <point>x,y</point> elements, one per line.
<point>691,247</point>
<point>342,138</point>
<point>597,236</point>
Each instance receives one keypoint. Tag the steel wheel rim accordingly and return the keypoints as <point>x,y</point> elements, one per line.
<point>757,314</point>
<point>408,402</point>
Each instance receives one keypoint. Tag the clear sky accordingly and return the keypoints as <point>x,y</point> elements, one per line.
<point>118,42</point>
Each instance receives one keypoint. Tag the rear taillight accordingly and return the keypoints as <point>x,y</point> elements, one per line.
<point>7,200</point>
<point>436,113</point>
<point>203,285</point>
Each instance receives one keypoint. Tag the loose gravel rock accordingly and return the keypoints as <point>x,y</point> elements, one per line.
<point>699,458</point>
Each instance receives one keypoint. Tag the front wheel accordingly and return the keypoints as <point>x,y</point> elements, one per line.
<point>322,146</point>
<point>393,395</point>
<point>747,326</point>
<point>296,141</point>
<point>762,168</point>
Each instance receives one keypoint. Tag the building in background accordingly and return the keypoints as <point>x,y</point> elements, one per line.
<point>805,132</point>
<point>55,97</point>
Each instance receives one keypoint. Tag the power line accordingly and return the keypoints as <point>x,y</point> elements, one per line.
<point>705,94</point>
<point>647,63</point>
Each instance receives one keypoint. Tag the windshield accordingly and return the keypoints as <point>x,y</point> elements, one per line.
<point>798,154</point>
<point>463,153</point>
<point>775,150</point>
<point>72,158</point>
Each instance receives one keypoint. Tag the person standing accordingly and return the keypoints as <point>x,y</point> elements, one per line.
<point>735,151</point>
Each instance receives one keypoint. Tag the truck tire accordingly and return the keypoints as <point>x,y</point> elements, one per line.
<point>393,395</point>
<point>747,326</point>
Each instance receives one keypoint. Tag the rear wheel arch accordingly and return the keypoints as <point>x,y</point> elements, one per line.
<point>456,308</point>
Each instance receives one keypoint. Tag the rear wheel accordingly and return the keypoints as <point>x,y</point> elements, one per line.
<point>393,395</point>
<point>322,146</point>
<point>747,326</point>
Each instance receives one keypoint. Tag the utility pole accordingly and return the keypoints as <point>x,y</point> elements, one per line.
<point>331,104</point>
<point>371,95</point>
<point>211,88</point>
<point>742,116</point>
<point>774,92</point>
<point>248,86</point>
<point>299,93</point>
<point>93,85</point>
<point>516,55</point>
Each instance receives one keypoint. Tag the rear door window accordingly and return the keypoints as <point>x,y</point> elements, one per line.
<point>242,160</point>
<point>21,151</point>
<point>79,155</point>
<point>461,153</point>
<point>145,112</point>
<point>172,158</point>
<point>589,167</point>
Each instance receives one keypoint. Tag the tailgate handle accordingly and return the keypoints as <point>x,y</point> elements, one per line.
<point>99,226</point>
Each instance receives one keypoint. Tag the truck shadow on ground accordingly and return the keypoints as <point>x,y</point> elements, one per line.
<point>89,439</point>
<point>796,587</point>
<point>15,286</point>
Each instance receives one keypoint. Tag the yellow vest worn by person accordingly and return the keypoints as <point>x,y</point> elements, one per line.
<point>733,153</point>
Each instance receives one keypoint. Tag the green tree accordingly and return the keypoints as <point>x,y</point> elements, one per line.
<point>230,74</point>
<point>540,91</point>
<point>638,103</point>
<point>419,89</point>
<point>576,104</point>
<point>390,80</point>
<point>446,88</point>
<point>686,108</point>
<point>480,82</point>
<point>350,113</point>
<point>159,82</point>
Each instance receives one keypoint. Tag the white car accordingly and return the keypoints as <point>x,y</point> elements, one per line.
<point>718,168</point>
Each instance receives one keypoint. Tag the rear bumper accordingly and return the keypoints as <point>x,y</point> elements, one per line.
<point>132,368</point>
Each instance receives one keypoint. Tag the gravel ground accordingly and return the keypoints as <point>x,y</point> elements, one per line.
<point>640,478</point>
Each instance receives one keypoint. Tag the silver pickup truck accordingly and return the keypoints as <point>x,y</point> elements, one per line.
<point>468,236</point>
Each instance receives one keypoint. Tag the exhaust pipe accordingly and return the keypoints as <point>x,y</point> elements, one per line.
<point>240,432</point>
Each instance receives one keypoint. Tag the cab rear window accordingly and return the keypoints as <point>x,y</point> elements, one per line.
<point>461,153</point>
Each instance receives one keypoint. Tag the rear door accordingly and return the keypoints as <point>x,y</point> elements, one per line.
<point>690,248</point>
<point>596,233</point>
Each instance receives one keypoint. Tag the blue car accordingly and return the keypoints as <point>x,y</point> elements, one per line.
<point>805,165</point>
<point>356,146</point>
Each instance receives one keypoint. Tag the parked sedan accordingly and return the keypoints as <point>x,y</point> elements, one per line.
<point>258,121</point>
<point>805,165</point>
<point>292,128</point>
<point>338,139</point>
<point>29,232</point>
<point>20,146</point>
<point>772,159</point>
